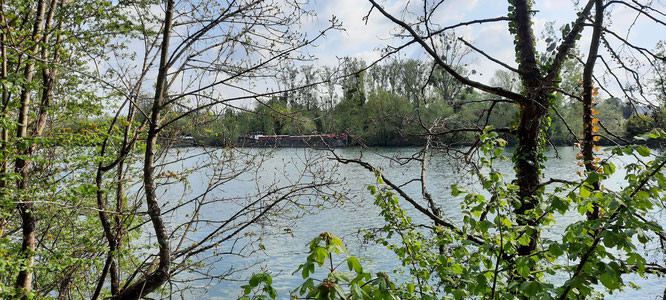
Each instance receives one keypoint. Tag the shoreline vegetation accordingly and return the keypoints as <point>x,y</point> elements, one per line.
<point>94,93</point>
<point>383,106</point>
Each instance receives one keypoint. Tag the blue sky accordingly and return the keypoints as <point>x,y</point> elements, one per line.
<point>363,40</point>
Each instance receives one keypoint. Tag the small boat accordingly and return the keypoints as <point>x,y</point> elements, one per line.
<point>331,140</point>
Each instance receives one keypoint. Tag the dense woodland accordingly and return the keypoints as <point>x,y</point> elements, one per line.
<point>95,203</point>
<point>384,105</point>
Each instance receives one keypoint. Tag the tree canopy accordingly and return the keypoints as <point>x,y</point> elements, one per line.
<point>97,197</point>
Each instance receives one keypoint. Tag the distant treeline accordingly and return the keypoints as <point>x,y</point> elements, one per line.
<point>394,104</point>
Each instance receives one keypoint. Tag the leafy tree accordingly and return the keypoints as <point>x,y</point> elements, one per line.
<point>609,114</point>
<point>76,138</point>
<point>386,117</point>
<point>358,283</point>
<point>498,249</point>
<point>638,124</point>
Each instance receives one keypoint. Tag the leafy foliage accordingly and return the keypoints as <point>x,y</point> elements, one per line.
<point>595,251</point>
<point>356,283</point>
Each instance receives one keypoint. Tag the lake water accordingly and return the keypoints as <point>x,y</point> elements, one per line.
<point>285,242</point>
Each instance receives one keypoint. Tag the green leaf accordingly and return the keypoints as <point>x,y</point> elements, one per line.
<point>343,277</point>
<point>357,292</point>
<point>319,255</point>
<point>498,152</point>
<point>457,269</point>
<point>531,288</point>
<point>459,294</point>
<point>455,190</point>
<point>524,270</point>
<point>307,269</point>
<point>372,189</point>
<point>524,240</point>
<point>353,264</point>
<point>495,176</point>
<point>410,288</point>
<point>609,168</point>
<point>560,204</point>
<point>642,237</point>
<point>643,151</point>
<point>584,192</point>
<point>506,222</point>
<point>254,281</point>
<point>593,177</point>
<point>609,279</point>
<point>271,291</point>
<point>339,289</point>
<point>485,225</point>
<point>555,250</point>
<point>306,286</point>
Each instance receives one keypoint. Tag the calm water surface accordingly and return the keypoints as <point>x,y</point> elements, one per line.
<point>284,252</point>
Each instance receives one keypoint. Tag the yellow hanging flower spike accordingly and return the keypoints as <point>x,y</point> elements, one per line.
<point>596,138</point>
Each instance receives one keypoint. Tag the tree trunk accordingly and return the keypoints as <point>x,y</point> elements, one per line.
<point>26,207</point>
<point>588,125</point>
<point>4,133</point>
<point>158,277</point>
<point>120,194</point>
<point>528,170</point>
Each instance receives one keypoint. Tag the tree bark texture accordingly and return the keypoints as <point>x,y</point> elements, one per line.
<point>26,207</point>
<point>160,275</point>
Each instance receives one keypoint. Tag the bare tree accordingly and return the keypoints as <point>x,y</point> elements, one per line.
<point>197,58</point>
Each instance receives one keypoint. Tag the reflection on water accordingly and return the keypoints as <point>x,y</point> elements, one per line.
<point>285,249</point>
